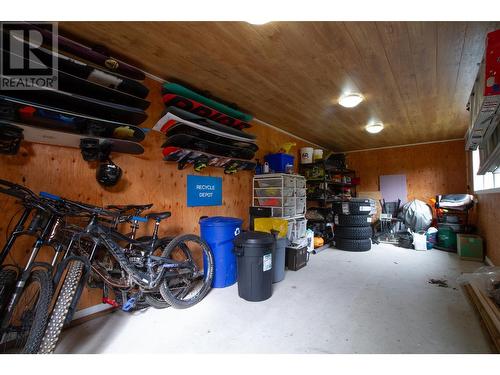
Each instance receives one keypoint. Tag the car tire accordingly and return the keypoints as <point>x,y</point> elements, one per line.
<point>352,220</point>
<point>347,244</point>
<point>354,233</point>
<point>358,207</point>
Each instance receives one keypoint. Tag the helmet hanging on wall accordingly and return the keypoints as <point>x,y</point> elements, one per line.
<point>108,173</point>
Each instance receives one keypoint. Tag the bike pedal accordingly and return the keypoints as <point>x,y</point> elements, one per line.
<point>127,306</point>
<point>110,301</point>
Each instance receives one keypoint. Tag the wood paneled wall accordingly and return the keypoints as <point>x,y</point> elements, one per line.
<point>146,179</point>
<point>488,222</point>
<point>486,216</point>
<point>430,169</point>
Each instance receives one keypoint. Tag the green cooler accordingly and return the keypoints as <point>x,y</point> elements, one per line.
<point>447,238</point>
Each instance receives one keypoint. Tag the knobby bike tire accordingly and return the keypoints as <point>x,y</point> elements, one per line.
<point>8,279</point>
<point>29,342</point>
<point>61,308</point>
<point>171,297</point>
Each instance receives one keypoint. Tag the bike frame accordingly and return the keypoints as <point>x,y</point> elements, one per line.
<point>148,280</point>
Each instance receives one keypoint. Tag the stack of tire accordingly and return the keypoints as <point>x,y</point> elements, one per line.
<point>352,219</point>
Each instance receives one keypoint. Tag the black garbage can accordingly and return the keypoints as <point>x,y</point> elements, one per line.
<point>255,265</point>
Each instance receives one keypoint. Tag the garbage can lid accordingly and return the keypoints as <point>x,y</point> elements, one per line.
<point>220,221</point>
<point>254,238</point>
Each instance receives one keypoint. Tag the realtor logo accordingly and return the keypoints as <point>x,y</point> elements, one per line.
<point>21,44</point>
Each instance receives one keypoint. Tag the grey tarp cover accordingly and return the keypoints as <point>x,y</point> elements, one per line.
<point>417,215</point>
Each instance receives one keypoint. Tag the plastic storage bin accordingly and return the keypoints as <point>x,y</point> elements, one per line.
<point>267,224</point>
<point>291,230</point>
<point>219,232</point>
<point>470,247</point>
<point>301,227</point>
<point>255,265</point>
<point>273,192</point>
<point>301,192</point>
<point>274,202</point>
<point>277,162</point>
<point>284,212</point>
<point>267,182</point>
<point>300,206</point>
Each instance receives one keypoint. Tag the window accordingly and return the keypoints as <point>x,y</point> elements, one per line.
<point>489,182</point>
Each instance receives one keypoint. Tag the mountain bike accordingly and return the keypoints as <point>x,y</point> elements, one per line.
<point>175,271</point>
<point>26,292</point>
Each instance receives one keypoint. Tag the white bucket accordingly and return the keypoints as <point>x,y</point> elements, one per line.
<point>306,155</point>
<point>419,241</point>
<point>317,154</point>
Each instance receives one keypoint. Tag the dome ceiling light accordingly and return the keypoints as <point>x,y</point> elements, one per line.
<point>374,128</point>
<point>350,100</point>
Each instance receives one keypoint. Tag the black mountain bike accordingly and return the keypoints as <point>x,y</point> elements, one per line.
<point>169,271</point>
<point>26,292</point>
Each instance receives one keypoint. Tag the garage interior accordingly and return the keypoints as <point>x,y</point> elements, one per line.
<point>413,81</point>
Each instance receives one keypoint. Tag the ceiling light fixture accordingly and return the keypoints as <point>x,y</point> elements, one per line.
<point>258,22</point>
<point>350,100</point>
<point>374,128</point>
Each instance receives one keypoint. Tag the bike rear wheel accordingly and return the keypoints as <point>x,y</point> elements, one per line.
<point>29,316</point>
<point>61,308</point>
<point>187,289</point>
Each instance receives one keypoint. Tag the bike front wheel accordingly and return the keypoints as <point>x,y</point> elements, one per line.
<point>61,308</point>
<point>29,316</point>
<point>186,289</point>
<point>8,279</point>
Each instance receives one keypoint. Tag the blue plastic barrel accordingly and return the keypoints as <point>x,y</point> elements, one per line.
<point>219,232</point>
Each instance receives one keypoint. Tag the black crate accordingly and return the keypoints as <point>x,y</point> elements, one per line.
<point>296,258</point>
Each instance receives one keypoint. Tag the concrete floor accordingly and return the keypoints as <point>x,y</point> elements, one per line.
<point>341,302</point>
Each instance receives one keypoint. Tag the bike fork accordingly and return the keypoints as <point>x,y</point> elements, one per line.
<point>15,233</point>
<point>24,277</point>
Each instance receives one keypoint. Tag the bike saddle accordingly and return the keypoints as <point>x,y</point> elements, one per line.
<point>129,207</point>
<point>158,215</point>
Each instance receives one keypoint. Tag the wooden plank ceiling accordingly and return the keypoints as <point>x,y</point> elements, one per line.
<point>416,76</point>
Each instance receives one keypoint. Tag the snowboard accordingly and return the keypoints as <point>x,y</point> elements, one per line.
<point>201,160</point>
<point>199,109</point>
<point>46,117</point>
<point>79,104</point>
<point>173,125</point>
<point>36,134</point>
<point>100,58</point>
<point>188,116</point>
<point>82,70</point>
<point>76,85</point>
<point>175,88</point>
<point>199,144</point>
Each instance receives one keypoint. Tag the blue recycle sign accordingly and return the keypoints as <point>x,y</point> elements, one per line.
<point>204,191</point>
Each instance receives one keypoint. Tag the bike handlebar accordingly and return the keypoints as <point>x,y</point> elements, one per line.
<point>64,206</point>
<point>15,190</point>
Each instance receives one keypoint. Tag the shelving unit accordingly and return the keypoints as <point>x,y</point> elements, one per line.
<point>285,195</point>
<point>322,190</point>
